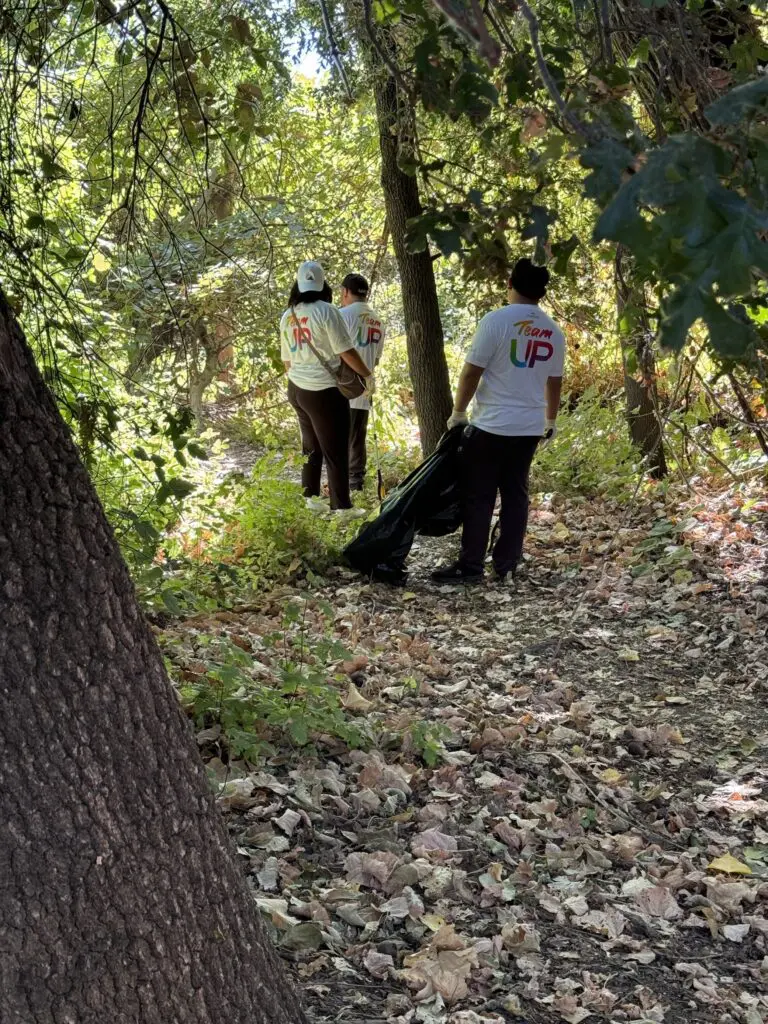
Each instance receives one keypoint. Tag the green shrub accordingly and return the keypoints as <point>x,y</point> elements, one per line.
<point>301,701</point>
<point>592,453</point>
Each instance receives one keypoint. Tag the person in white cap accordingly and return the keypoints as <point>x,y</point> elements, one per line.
<point>313,333</point>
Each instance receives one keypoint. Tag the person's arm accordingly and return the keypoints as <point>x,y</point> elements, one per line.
<point>342,342</point>
<point>552,391</point>
<point>351,358</point>
<point>468,384</point>
<point>285,351</point>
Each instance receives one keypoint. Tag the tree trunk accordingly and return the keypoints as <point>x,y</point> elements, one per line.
<point>643,410</point>
<point>120,900</point>
<point>424,330</point>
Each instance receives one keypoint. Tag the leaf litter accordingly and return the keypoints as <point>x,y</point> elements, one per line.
<point>589,841</point>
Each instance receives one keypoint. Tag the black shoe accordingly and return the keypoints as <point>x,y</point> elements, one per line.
<point>456,573</point>
<point>504,575</point>
<point>356,485</point>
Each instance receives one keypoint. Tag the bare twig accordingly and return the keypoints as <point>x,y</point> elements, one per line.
<point>585,130</point>
<point>335,52</point>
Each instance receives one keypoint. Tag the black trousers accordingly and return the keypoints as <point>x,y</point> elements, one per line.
<point>358,456</point>
<point>493,464</point>
<point>324,422</point>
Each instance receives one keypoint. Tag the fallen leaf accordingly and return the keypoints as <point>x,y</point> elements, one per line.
<point>658,901</point>
<point>433,840</point>
<point>729,865</point>
<point>302,937</point>
<point>736,932</point>
<point>378,964</point>
<point>520,938</point>
<point>370,869</point>
<point>353,700</point>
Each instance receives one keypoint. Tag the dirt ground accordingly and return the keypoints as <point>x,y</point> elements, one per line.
<point>563,817</point>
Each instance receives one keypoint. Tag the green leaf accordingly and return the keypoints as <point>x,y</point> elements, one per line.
<point>678,314</point>
<point>620,221</point>
<point>385,12</point>
<point>730,333</point>
<point>538,225</point>
<point>739,102</point>
<point>640,53</point>
<point>609,161</point>
<point>197,450</point>
<point>562,251</point>
<point>448,240</point>
<point>298,730</point>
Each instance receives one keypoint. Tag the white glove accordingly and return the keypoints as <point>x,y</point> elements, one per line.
<point>457,419</point>
<point>370,386</point>
<point>550,431</point>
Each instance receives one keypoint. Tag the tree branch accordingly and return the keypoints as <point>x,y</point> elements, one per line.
<point>373,35</point>
<point>335,52</point>
<point>585,130</point>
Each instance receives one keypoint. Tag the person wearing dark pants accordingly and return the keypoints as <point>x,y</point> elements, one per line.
<point>358,453</point>
<point>367,333</point>
<point>514,372</point>
<point>492,464</point>
<point>313,340</point>
<point>324,423</point>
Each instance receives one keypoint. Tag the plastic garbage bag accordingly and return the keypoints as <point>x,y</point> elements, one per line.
<point>426,502</point>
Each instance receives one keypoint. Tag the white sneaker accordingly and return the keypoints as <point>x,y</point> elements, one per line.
<point>349,513</point>
<point>316,504</point>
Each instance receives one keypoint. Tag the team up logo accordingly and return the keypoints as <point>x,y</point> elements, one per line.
<point>369,333</point>
<point>537,350</point>
<point>301,334</point>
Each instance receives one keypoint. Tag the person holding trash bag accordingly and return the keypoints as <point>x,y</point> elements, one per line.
<point>367,333</point>
<point>314,343</point>
<point>514,372</point>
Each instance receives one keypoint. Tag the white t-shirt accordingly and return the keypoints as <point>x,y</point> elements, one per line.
<point>323,325</point>
<point>519,347</point>
<point>367,332</point>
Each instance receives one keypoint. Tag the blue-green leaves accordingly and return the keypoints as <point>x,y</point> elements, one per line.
<point>739,103</point>
<point>692,228</point>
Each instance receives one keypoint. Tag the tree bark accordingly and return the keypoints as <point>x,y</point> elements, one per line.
<point>424,329</point>
<point>640,389</point>
<point>120,900</point>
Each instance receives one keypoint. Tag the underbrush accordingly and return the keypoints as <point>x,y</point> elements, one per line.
<point>592,453</point>
<point>249,692</point>
<point>253,686</point>
<point>239,537</point>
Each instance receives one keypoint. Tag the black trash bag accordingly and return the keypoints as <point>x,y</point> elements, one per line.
<point>426,502</point>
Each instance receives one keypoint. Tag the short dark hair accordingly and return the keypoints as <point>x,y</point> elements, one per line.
<point>529,280</point>
<point>324,295</point>
<point>356,284</point>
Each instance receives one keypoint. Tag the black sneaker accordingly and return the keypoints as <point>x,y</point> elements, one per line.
<point>456,573</point>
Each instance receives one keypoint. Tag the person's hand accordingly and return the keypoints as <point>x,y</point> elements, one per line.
<point>457,419</point>
<point>550,431</point>
<point>370,385</point>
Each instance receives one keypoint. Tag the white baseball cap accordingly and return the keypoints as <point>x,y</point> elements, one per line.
<point>310,277</point>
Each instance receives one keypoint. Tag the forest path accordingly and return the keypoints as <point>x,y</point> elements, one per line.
<point>602,741</point>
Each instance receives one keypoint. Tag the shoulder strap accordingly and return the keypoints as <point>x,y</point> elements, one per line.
<point>323,362</point>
